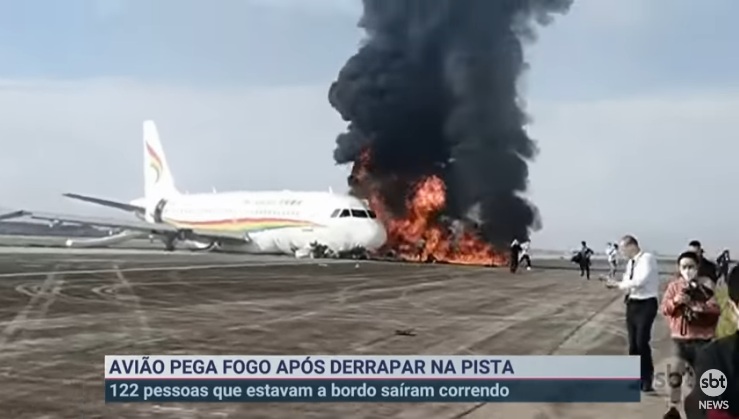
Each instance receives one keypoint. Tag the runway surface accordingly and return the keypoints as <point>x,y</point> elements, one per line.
<point>61,312</point>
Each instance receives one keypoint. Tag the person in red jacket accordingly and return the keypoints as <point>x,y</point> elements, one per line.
<point>692,312</point>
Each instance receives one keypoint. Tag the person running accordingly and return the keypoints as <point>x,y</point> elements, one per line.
<point>515,254</point>
<point>612,253</point>
<point>583,259</point>
<point>525,257</point>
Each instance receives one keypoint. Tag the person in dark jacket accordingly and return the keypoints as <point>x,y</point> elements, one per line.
<point>722,355</point>
<point>723,262</point>
<point>515,253</point>
<point>583,259</point>
<point>706,268</point>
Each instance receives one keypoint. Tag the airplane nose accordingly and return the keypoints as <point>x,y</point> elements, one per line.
<point>377,236</point>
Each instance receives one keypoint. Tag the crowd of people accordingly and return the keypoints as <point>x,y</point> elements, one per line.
<point>691,309</point>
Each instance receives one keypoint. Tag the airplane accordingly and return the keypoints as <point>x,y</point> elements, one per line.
<point>264,222</point>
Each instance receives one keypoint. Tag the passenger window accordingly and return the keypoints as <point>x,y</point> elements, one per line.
<point>359,213</point>
<point>371,214</point>
<point>335,213</point>
<point>345,213</point>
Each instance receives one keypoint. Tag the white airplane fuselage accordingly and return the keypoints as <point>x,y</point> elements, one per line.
<point>273,222</point>
<point>256,222</point>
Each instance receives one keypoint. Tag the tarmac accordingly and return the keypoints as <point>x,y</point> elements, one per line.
<point>62,310</point>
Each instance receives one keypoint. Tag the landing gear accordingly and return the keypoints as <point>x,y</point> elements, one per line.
<point>171,239</point>
<point>321,251</point>
<point>303,253</point>
<point>169,243</point>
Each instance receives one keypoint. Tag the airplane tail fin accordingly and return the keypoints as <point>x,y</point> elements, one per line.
<point>158,180</point>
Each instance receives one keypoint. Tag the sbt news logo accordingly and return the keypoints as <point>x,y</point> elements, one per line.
<point>713,383</point>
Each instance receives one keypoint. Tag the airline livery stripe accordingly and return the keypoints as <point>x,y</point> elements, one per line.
<point>245,221</point>
<point>156,162</point>
<point>243,224</point>
<point>153,155</point>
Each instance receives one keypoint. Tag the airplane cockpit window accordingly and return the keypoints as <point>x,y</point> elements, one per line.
<point>359,213</point>
<point>353,213</point>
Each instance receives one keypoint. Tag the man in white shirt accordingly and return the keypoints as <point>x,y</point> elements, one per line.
<point>525,257</point>
<point>641,284</point>
<point>612,253</point>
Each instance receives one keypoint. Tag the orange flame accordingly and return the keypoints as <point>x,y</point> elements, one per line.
<point>419,236</point>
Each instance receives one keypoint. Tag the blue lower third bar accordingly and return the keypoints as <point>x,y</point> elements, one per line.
<point>409,391</point>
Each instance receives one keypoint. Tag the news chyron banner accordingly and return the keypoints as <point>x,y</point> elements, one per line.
<point>530,379</point>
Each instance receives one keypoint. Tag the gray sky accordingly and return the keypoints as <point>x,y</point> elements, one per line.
<point>635,105</point>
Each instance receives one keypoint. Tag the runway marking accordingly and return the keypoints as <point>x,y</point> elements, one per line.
<point>163,268</point>
<point>555,407</point>
<point>136,300</point>
<point>465,340</point>
<point>227,279</point>
<point>48,290</point>
<point>267,306</point>
<point>55,291</point>
<point>326,309</point>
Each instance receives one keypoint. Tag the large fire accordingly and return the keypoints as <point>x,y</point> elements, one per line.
<point>420,236</point>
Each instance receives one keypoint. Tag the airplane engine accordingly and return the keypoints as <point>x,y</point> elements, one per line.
<point>105,241</point>
<point>199,246</point>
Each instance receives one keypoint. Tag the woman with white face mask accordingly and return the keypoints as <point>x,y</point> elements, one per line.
<point>692,312</point>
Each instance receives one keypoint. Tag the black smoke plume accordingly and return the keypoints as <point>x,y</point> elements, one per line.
<point>433,90</point>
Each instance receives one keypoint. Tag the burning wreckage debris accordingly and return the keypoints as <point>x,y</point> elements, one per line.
<point>321,251</point>
<point>424,233</point>
<point>436,128</point>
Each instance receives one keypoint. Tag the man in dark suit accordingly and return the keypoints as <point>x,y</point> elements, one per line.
<point>723,355</point>
<point>515,252</point>
<point>723,262</point>
<point>583,260</point>
<point>706,268</point>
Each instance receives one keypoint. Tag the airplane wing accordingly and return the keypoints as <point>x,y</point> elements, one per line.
<point>9,215</point>
<point>135,225</point>
<point>106,202</point>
